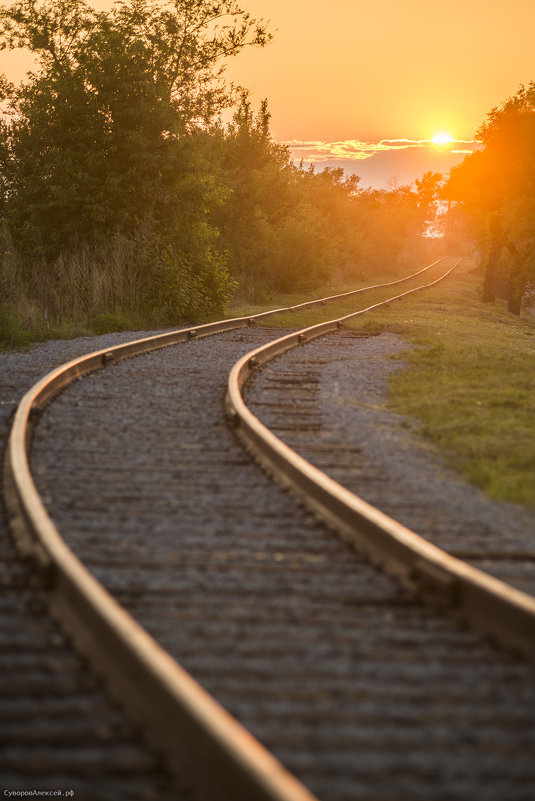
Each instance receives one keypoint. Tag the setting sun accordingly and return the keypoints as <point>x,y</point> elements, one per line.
<point>442,139</point>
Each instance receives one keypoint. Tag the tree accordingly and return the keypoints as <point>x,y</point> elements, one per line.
<point>271,231</point>
<point>496,187</point>
<point>99,143</point>
<point>288,228</point>
<point>428,190</point>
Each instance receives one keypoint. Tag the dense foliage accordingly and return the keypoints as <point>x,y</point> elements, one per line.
<point>122,193</point>
<point>288,228</point>
<point>97,149</point>
<point>496,188</point>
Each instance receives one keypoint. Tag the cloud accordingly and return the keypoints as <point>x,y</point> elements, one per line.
<point>316,151</point>
<point>379,163</point>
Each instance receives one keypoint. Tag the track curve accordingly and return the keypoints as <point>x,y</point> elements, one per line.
<point>492,606</point>
<point>51,579</point>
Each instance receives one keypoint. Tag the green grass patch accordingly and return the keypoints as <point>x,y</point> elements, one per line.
<point>13,332</point>
<point>469,384</point>
<point>335,308</point>
<point>282,300</point>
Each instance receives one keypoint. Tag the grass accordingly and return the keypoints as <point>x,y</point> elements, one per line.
<point>333,309</point>
<point>469,381</point>
<point>94,293</point>
<point>93,290</point>
<point>470,385</point>
<point>19,332</point>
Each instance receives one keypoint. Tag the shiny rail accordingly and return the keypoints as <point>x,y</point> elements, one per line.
<point>491,606</point>
<point>176,714</point>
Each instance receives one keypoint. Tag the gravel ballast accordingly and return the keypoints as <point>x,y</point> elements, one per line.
<point>357,689</point>
<point>391,467</point>
<point>60,732</point>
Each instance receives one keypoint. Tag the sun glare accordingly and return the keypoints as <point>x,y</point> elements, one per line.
<point>442,139</point>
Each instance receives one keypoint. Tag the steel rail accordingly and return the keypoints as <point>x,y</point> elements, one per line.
<point>344,295</point>
<point>189,728</point>
<point>176,714</point>
<point>502,612</point>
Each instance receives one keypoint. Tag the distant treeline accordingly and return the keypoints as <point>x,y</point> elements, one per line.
<point>124,198</point>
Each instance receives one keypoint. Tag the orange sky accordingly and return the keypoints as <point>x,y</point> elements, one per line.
<point>349,72</point>
<point>396,68</point>
<point>345,78</point>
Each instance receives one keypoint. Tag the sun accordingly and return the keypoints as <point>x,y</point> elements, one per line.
<point>442,138</point>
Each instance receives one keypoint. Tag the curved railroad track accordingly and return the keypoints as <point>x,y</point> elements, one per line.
<point>247,594</point>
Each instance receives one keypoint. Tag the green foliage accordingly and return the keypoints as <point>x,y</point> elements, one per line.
<point>390,224</point>
<point>267,227</point>
<point>286,228</point>
<point>13,333</point>
<point>123,193</point>
<point>108,322</point>
<point>468,383</point>
<point>331,310</point>
<point>99,142</point>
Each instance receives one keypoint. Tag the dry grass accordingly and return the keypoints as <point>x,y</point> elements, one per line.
<point>91,290</point>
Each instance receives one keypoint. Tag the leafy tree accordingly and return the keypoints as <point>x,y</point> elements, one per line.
<point>496,187</point>
<point>392,224</point>
<point>289,228</point>
<point>272,233</point>
<point>428,191</point>
<point>99,143</point>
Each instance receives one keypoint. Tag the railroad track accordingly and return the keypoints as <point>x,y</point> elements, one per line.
<point>271,590</point>
<point>308,388</point>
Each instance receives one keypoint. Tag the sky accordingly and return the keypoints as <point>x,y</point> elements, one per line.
<point>366,85</point>
<point>347,80</point>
